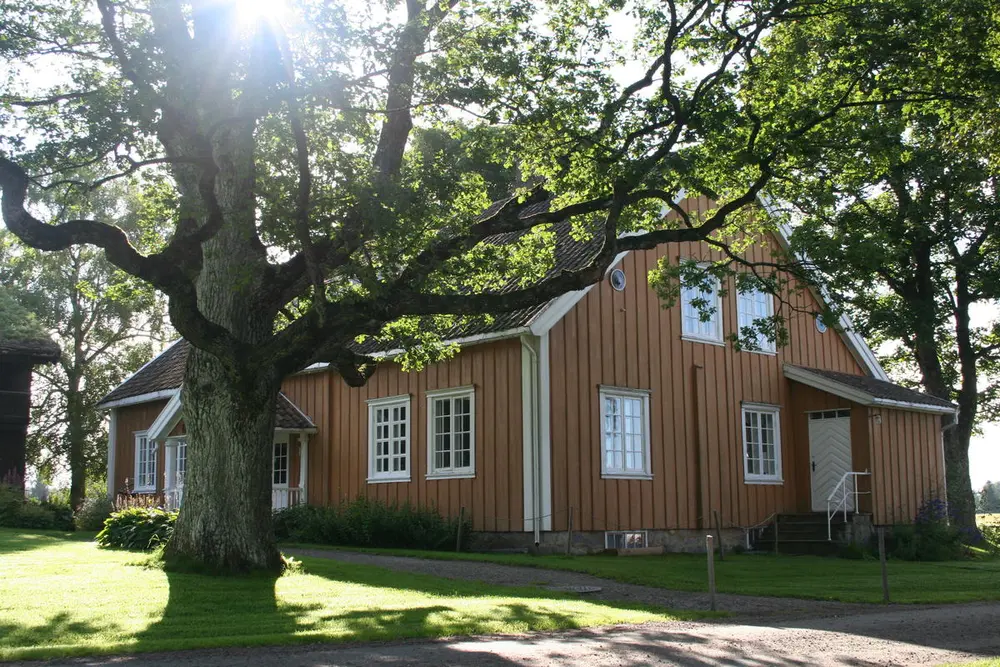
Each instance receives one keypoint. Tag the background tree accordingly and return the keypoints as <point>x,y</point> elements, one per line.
<point>105,322</point>
<point>308,214</point>
<point>988,498</point>
<point>900,214</point>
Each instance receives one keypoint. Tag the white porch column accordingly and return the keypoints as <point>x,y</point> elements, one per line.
<point>112,450</point>
<point>303,466</point>
<point>169,470</point>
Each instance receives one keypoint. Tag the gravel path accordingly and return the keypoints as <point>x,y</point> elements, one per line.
<point>899,636</point>
<point>759,608</point>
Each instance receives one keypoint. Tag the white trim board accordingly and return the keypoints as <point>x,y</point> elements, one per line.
<point>167,419</point>
<point>859,396</point>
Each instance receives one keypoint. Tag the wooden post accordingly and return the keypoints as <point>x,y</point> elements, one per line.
<point>718,534</point>
<point>881,558</point>
<point>569,532</point>
<point>710,550</point>
<point>776,516</point>
<point>458,536</point>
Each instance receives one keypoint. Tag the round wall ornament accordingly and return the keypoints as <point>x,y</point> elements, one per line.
<point>617,280</point>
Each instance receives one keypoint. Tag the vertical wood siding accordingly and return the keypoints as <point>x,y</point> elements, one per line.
<point>338,453</point>
<point>628,339</point>
<point>907,464</point>
<point>131,419</point>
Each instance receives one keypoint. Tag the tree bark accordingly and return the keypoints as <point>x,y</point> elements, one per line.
<point>225,520</point>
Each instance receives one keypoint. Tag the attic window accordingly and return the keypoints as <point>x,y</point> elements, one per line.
<point>617,280</point>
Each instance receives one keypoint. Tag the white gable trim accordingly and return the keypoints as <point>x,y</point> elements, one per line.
<point>141,398</point>
<point>831,386</point>
<point>167,419</point>
<point>557,309</point>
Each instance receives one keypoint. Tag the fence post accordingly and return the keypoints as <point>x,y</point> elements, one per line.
<point>710,550</point>
<point>776,518</point>
<point>881,558</point>
<point>569,532</point>
<point>458,535</point>
<point>718,535</point>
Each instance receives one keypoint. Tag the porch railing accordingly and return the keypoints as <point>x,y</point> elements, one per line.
<point>284,498</point>
<point>839,496</point>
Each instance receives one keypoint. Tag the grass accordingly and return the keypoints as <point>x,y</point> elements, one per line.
<point>62,596</point>
<point>809,577</point>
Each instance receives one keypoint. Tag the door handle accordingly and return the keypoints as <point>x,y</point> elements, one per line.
<point>814,466</point>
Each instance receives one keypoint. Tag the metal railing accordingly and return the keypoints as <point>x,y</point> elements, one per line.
<point>842,489</point>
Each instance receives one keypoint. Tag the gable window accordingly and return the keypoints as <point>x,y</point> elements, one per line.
<point>145,464</point>
<point>389,439</point>
<point>279,467</point>
<point>761,444</point>
<point>451,433</point>
<point>701,311</point>
<point>625,433</point>
<point>752,306</point>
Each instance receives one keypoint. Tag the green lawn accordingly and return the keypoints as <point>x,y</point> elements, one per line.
<point>61,595</point>
<point>783,576</point>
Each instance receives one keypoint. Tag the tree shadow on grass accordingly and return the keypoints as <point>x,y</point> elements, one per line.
<point>60,629</point>
<point>13,540</point>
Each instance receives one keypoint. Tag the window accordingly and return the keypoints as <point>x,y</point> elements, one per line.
<point>280,465</point>
<point>625,539</point>
<point>389,439</point>
<point>701,311</point>
<point>830,414</point>
<point>624,433</point>
<point>145,464</point>
<point>451,428</point>
<point>180,460</point>
<point>761,444</point>
<point>752,306</point>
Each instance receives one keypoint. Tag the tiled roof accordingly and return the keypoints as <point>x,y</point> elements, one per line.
<point>879,388</point>
<point>288,416</point>
<point>39,351</point>
<point>162,373</point>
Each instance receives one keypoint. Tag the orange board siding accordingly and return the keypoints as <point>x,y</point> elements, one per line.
<point>338,453</point>
<point>907,469</point>
<point>132,419</point>
<point>628,339</point>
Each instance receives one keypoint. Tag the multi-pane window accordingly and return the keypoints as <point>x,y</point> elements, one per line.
<point>761,443</point>
<point>451,432</point>
<point>624,433</point>
<point>180,460</point>
<point>280,466</point>
<point>625,539</point>
<point>145,463</point>
<point>389,439</point>
<point>701,312</point>
<point>752,306</point>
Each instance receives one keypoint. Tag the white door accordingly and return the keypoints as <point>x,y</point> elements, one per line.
<point>829,453</point>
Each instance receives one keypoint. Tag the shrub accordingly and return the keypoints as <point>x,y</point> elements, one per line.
<point>137,529</point>
<point>991,537</point>
<point>93,513</point>
<point>16,511</point>
<point>929,538</point>
<point>370,523</point>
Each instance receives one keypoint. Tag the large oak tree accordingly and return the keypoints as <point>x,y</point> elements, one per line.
<point>305,217</point>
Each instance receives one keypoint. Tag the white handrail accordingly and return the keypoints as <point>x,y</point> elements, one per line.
<point>844,495</point>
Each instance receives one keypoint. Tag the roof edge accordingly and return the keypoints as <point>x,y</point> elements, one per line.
<point>831,386</point>
<point>141,398</point>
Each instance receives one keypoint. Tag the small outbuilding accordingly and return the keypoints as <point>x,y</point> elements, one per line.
<point>23,345</point>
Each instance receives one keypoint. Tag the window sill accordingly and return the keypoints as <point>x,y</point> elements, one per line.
<point>450,475</point>
<point>387,480</point>
<point>766,353</point>
<point>626,475</point>
<point>772,481</point>
<point>706,341</point>
<point>149,490</point>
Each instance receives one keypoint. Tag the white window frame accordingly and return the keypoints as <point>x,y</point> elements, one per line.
<point>390,402</point>
<point>451,472</point>
<point>775,412</point>
<point>642,395</point>
<point>179,447</point>
<point>611,539</point>
<point>749,299</point>
<point>288,464</point>
<point>152,447</point>
<point>686,296</point>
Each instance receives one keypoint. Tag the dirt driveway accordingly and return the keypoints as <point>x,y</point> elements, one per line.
<point>899,636</point>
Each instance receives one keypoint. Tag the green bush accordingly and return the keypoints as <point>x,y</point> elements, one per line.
<point>93,513</point>
<point>929,538</point>
<point>16,511</point>
<point>370,523</point>
<point>991,537</point>
<point>138,529</point>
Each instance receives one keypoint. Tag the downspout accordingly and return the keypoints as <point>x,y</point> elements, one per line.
<point>112,450</point>
<point>536,477</point>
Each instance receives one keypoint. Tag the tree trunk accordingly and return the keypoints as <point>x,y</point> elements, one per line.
<point>77,445</point>
<point>961,500</point>
<point>225,520</point>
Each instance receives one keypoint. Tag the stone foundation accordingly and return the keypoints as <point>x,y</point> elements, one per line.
<point>589,542</point>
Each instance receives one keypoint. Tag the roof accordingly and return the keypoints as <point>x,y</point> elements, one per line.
<point>288,416</point>
<point>21,334</point>
<point>164,373</point>
<point>868,390</point>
